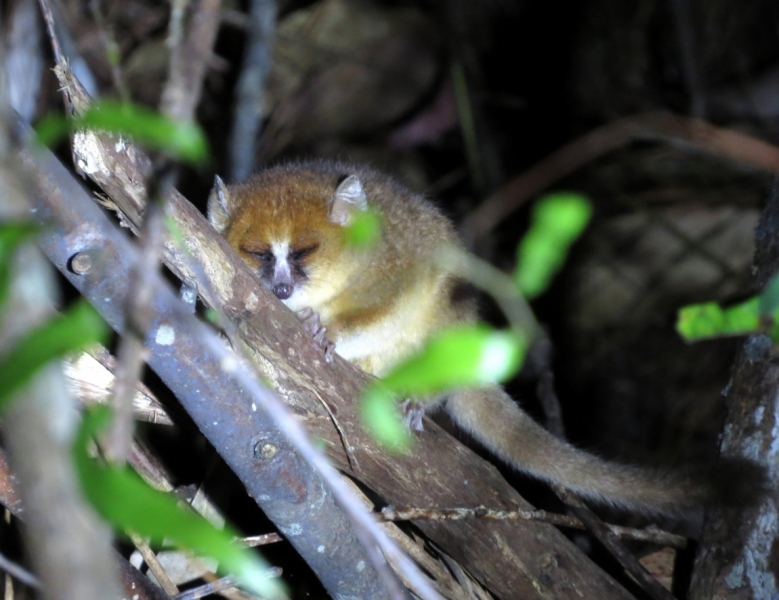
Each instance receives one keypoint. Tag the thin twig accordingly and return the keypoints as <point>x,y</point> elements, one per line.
<point>219,585</point>
<point>191,43</point>
<point>24,57</point>
<point>154,565</point>
<point>131,353</point>
<point>249,90</point>
<point>19,572</point>
<point>440,576</point>
<point>651,534</point>
<point>253,541</point>
<point>655,126</point>
<point>606,537</point>
<point>59,56</point>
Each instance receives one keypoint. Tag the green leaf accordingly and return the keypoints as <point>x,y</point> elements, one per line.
<point>181,139</point>
<point>464,356</point>
<point>556,222</point>
<point>769,297</point>
<point>364,230</point>
<point>123,499</point>
<point>12,234</point>
<point>60,335</point>
<point>380,415</point>
<point>708,320</point>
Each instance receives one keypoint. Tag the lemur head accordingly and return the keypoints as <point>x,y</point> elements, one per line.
<point>287,223</point>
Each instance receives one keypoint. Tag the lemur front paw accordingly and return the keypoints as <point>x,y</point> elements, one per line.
<point>413,415</point>
<point>313,325</point>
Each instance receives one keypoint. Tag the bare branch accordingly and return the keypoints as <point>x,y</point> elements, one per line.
<point>249,89</point>
<point>225,583</point>
<point>131,353</point>
<point>154,565</point>
<point>261,540</point>
<point>111,49</point>
<point>656,126</point>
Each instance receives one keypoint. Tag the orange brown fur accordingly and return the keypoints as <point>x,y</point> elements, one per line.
<point>380,306</point>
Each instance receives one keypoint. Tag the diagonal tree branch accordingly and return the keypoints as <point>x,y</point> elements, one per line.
<point>508,558</point>
<point>194,362</point>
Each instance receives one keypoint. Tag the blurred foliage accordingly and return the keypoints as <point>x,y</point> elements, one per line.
<point>123,499</point>
<point>120,496</point>
<point>11,235</point>
<point>181,140</point>
<point>75,329</point>
<point>557,221</point>
<point>364,230</point>
<point>757,315</point>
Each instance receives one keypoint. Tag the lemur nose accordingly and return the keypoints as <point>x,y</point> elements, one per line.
<point>282,291</point>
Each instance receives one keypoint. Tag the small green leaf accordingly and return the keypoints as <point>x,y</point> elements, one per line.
<point>60,335</point>
<point>364,230</point>
<point>557,221</point>
<point>464,356</point>
<point>769,297</point>
<point>181,139</point>
<point>123,499</point>
<point>380,415</point>
<point>708,320</point>
<point>12,234</point>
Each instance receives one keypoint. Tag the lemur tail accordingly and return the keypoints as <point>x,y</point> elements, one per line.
<point>494,419</point>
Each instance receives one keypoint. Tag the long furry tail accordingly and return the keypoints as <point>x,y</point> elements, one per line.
<point>493,418</point>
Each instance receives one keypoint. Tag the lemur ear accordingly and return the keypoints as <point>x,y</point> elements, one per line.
<point>219,210</point>
<point>349,197</point>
